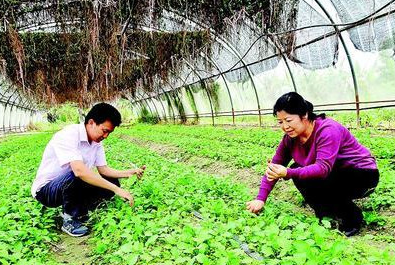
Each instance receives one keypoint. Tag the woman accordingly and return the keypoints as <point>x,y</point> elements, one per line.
<point>331,168</point>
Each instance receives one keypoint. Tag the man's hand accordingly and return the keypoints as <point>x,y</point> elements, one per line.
<point>255,206</point>
<point>139,172</point>
<point>275,171</point>
<point>125,195</point>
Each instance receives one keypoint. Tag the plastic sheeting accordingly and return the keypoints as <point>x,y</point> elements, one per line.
<point>376,35</point>
<point>319,54</point>
<point>16,111</point>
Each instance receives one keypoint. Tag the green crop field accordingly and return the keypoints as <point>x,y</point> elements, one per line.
<point>190,88</point>
<point>184,214</point>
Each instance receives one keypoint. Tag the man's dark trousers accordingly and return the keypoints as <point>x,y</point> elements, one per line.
<point>76,196</point>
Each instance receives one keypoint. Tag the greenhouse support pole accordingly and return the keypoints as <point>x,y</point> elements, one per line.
<point>209,99</point>
<point>179,101</point>
<point>202,81</point>
<point>18,116</point>
<point>349,62</point>
<point>9,119</point>
<point>134,106</point>
<point>139,107</point>
<point>251,78</point>
<point>153,103</point>
<point>290,72</point>
<point>25,121</point>
<point>163,107</point>
<point>5,104</point>
<point>234,51</point>
<point>3,116</point>
<point>191,98</point>
<point>173,99</point>
<point>227,88</point>
<point>142,105</point>
<point>147,104</point>
<point>171,106</point>
<point>169,101</point>
<point>283,56</point>
<point>174,95</point>
<point>228,46</point>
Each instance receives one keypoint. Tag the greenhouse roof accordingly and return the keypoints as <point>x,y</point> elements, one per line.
<point>86,51</point>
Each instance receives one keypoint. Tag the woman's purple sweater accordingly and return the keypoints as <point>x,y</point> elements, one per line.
<point>330,145</point>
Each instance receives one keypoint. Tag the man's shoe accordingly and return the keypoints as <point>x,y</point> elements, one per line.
<point>73,227</point>
<point>351,231</point>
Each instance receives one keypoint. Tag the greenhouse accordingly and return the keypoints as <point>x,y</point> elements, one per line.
<point>206,105</point>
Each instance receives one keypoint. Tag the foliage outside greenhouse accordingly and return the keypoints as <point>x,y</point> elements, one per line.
<point>195,83</point>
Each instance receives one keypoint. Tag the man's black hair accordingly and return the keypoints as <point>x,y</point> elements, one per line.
<point>293,103</point>
<point>102,112</point>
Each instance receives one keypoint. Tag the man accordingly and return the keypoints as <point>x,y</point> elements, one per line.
<point>65,175</point>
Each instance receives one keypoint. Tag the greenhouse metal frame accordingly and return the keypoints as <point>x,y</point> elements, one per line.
<point>236,58</point>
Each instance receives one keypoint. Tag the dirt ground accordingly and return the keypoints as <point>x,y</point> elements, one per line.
<point>72,250</point>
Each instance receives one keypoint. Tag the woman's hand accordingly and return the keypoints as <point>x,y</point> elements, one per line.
<point>139,172</point>
<point>275,171</point>
<point>255,206</point>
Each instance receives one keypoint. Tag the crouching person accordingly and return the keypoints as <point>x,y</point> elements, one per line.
<point>331,168</point>
<point>65,177</point>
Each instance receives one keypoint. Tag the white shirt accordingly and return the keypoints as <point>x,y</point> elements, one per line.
<point>69,144</point>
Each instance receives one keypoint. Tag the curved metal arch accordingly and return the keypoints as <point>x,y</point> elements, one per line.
<point>153,103</point>
<point>211,60</point>
<point>3,115</point>
<point>135,104</point>
<point>12,107</point>
<point>168,99</point>
<point>139,100</point>
<point>146,104</point>
<point>4,96</point>
<point>16,110</point>
<point>205,88</point>
<point>174,90</point>
<point>24,103</point>
<point>175,94</point>
<point>5,108</point>
<point>231,49</point>
<point>354,79</point>
<point>271,43</point>
<point>25,110</point>
<point>160,101</point>
<point>290,72</point>
<point>163,108</point>
<point>2,92</point>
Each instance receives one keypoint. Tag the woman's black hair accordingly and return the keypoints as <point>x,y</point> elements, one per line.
<point>104,112</point>
<point>293,103</point>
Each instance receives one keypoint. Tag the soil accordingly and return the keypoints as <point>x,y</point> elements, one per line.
<point>72,250</point>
